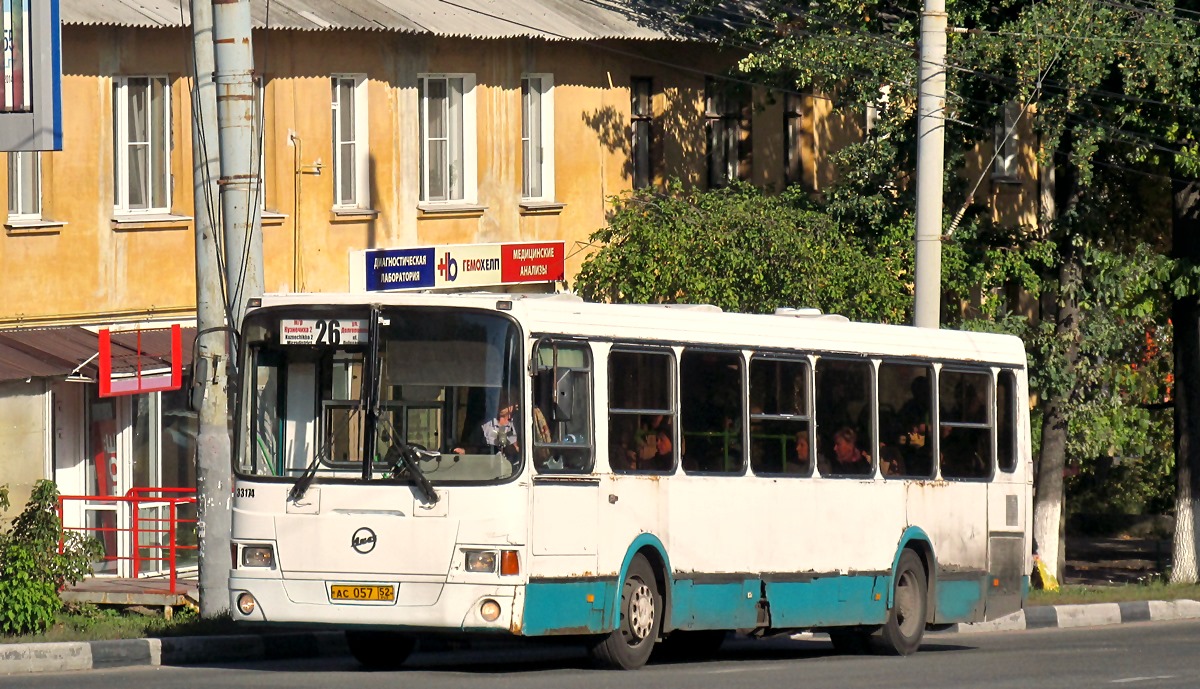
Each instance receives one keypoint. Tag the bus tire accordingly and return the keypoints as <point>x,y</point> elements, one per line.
<point>380,650</point>
<point>628,647</point>
<point>901,634</point>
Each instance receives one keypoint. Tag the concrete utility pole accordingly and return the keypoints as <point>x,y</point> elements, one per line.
<point>931,143</point>
<point>241,197</point>
<point>212,442</point>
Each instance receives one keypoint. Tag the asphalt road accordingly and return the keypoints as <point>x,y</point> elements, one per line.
<point>1151,654</point>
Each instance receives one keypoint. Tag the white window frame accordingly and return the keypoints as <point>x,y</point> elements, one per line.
<point>19,183</point>
<point>464,139</point>
<point>359,163</point>
<point>1007,145</point>
<point>537,133</point>
<point>154,149</point>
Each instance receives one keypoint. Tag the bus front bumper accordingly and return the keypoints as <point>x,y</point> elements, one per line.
<point>417,605</point>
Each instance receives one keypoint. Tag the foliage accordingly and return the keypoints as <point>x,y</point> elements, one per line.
<point>1113,110</point>
<point>742,250</point>
<point>34,568</point>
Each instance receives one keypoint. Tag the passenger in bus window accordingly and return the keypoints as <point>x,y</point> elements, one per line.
<point>915,414</point>
<point>891,462</point>
<point>848,458</point>
<point>663,458</point>
<point>498,434</point>
<point>799,463</point>
<point>647,440</point>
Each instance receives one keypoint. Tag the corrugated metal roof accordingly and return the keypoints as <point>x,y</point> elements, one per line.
<point>549,19</point>
<point>53,352</point>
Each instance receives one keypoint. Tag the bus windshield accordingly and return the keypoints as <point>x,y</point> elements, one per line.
<point>331,397</point>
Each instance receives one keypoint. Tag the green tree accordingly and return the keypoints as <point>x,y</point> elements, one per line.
<point>1111,88</point>
<point>739,249</point>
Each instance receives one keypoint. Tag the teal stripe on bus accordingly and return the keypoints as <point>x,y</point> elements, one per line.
<point>724,605</point>
<point>960,600</point>
<point>829,601</point>
<point>562,607</point>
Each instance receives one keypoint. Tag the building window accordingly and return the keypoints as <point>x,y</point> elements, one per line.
<point>142,139</point>
<point>350,152</point>
<point>641,120</point>
<point>447,137</point>
<point>1007,142</point>
<point>25,185</point>
<point>793,136</point>
<point>728,133</point>
<point>537,137</point>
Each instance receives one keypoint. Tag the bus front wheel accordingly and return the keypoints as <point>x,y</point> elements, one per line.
<point>905,626</point>
<point>379,650</point>
<point>628,646</point>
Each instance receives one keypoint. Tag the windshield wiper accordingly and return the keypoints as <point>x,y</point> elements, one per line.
<point>300,487</point>
<point>405,457</point>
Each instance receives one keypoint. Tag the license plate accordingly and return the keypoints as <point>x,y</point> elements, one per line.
<point>354,592</point>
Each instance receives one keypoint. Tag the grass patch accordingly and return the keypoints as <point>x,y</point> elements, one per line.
<point>87,622</point>
<point>1154,590</point>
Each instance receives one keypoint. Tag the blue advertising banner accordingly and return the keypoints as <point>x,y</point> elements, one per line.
<point>399,268</point>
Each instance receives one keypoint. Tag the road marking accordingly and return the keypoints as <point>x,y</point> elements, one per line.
<point>1128,680</point>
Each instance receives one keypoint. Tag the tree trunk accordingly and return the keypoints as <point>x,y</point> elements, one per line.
<point>1048,487</point>
<point>1185,317</point>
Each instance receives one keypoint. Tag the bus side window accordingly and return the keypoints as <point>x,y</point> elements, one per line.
<point>780,428</point>
<point>562,408</point>
<point>905,417</point>
<point>965,441</point>
<point>845,422</point>
<point>710,386</point>
<point>1006,421</point>
<point>641,420</point>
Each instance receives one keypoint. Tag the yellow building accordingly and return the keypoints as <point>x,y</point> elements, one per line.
<point>433,124</point>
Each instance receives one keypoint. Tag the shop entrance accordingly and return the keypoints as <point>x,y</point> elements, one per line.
<point>128,465</point>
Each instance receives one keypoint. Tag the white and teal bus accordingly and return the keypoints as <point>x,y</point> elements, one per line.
<point>670,473</point>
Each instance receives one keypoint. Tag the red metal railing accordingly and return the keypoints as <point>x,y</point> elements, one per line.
<point>133,501</point>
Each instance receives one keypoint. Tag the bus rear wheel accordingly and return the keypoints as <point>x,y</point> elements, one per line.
<point>628,646</point>
<point>901,634</point>
<point>380,650</point>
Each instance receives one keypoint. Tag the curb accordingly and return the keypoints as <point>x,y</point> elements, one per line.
<point>183,650</point>
<point>189,650</point>
<point>1090,615</point>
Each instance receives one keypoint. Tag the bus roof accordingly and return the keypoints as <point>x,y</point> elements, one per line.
<point>802,329</point>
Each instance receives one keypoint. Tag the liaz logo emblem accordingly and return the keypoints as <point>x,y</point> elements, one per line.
<point>363,541</point>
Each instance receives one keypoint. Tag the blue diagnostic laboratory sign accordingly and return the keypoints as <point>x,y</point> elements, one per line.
<point>399,268</point>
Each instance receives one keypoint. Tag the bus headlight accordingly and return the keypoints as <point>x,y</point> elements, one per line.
<point>480,560</point>
<point>258,556</point>
<point>490,610</point>
<point>246,604</point>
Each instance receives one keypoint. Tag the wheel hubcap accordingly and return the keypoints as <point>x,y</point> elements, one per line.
<point>641,611</point>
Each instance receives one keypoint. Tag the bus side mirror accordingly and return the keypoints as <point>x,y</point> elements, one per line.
<point>564,397</point>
